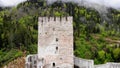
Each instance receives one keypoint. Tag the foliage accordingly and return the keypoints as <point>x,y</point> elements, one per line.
<point>19,30</point>
<point>7,56</point>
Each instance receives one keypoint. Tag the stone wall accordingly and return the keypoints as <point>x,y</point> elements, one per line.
<point>78,62</point>
<point>55,42</point>
<point>83,63</point>
<point>108,65</point>
<point>31,61</point>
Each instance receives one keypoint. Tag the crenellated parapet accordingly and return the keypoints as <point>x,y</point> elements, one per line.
<point>54,19</point>
<point>49,25</point>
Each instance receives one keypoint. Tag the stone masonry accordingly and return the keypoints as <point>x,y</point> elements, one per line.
<point>55,46</point>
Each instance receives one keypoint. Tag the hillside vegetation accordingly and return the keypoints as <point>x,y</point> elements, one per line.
<point>95,34</point>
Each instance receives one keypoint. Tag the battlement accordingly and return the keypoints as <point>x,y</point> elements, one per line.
<point>59,19</point>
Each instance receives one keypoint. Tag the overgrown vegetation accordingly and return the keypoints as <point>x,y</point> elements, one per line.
<point>93,32</point>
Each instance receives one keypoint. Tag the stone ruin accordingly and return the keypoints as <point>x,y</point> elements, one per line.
<point>55,46</point>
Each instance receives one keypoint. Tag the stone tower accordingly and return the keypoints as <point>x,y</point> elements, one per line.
<point>55,46</point>
<point>55,42</point>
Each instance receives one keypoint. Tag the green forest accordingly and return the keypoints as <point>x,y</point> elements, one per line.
<point>96,35</point>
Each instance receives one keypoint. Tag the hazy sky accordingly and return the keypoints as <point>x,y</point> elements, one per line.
<point>5,3</point>
<point>107,3</point>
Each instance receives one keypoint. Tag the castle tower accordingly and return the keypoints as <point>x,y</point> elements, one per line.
<point>55,42</point>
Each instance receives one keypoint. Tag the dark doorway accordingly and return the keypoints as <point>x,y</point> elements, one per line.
<point>76,66</point>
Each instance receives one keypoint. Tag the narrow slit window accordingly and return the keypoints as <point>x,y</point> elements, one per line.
<point>45,32</point>
<point>56,48</point>
<point>56,39</point>
<point>53,29</point>
<point>53,64</point>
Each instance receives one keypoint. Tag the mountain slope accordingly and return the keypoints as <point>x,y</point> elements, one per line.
<point>19,29</point>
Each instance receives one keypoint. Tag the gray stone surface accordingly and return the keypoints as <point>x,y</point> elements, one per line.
<point>108,65</point>
<point>31,61</point>
<point>83,63</point>
<point>55,44</point>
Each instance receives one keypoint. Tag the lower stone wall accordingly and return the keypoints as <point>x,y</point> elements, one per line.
<point>102,66</point>
<point>32,62</point>
<point>83,63</point>
<point>108,65</point>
